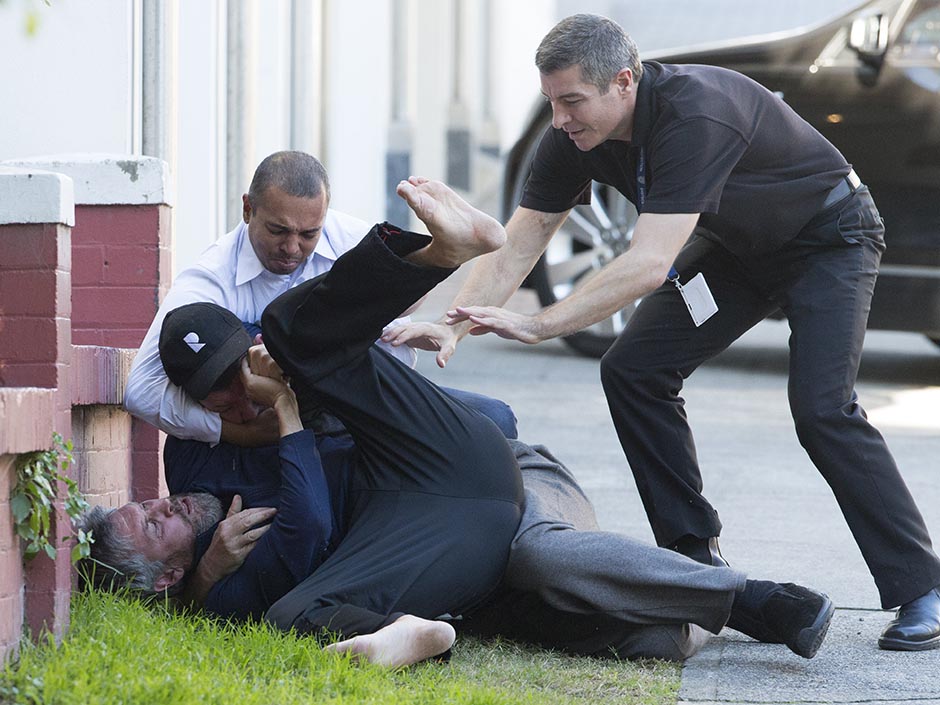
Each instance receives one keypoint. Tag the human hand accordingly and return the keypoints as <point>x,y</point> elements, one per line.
<point>263,381</point>
<point>233,540</point>
<point>492,319</point>
<point>266,384</point>
<point>425,336</point>
<point>261,363</point>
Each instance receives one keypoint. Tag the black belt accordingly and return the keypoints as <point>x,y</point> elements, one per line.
<point>848,185</point>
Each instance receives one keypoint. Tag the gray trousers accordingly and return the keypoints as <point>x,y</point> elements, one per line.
<point>570,585</point>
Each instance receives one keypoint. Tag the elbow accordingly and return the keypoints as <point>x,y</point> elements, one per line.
<point>133,400</point>
<point>655,273</point>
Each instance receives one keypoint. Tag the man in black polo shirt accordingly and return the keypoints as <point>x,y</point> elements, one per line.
<point>783,222</point>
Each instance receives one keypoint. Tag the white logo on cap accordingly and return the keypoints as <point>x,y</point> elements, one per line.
<point>192,340</point>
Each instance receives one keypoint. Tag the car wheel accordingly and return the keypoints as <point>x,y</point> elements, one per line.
<point>590,238</point>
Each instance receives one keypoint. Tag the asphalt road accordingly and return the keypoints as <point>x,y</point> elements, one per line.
<point>780,519</point>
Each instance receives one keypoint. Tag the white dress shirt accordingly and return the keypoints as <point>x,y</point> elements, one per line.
<point>229,274</point>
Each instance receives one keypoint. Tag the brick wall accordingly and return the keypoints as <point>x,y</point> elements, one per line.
<point>121,268</point>
<point>70,299</point>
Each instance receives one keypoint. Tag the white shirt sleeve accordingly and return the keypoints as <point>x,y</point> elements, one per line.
<point>149,395</point>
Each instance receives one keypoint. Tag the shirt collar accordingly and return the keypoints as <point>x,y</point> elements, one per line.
<point>643,112</point>
<point>248,266</point>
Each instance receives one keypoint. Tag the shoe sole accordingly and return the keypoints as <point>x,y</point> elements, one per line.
<point>811,638</point>
<point>889,644</point>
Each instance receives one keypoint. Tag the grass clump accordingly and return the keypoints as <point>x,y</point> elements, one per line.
<point>120,650</point>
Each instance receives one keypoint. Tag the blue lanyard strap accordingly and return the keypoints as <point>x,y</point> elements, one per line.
<point>641,198</point>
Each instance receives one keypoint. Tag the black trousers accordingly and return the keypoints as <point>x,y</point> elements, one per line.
<point>436,497</point>
<point>823,281</point>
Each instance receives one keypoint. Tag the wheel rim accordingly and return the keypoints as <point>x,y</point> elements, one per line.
<point>591,237</point>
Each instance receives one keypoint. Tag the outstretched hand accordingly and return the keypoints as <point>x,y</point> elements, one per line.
<point>435,337</point>
<point>492,319</point>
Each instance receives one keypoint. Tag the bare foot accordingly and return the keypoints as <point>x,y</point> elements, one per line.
<point>460,231</point>
<point>405,641</point>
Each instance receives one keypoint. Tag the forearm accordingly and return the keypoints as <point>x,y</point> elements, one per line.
<point>288,414</point>
<point>496,276</point>
<point>632,275</point>
<point>151,397</point>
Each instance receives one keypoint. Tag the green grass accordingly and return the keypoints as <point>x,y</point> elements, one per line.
<point>121,651</point>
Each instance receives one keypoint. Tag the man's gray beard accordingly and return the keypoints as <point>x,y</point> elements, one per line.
<point>207,510</point>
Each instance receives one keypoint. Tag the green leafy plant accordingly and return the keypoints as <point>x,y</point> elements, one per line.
<point>33,499</point>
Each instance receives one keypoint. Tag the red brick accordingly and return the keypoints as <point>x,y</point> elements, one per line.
<point>147,476</point>
<point>35,339</point>
<point>11,625</point>
<point>7,535</point>
<point>8,539</point>
<point>124,336</point>
<point>113,307</point>
<point>136,265</point>
<point>11,575</point>
<point>28,292</point>
<point>99,374</point>
<point>34,246</point>
<point>114,224</point>
<point>27,424</point>
<point>87,265</point>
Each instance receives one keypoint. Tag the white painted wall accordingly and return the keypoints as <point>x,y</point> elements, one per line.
<point>200,170</point>
<point>70,87</point>
<point>357,104</point>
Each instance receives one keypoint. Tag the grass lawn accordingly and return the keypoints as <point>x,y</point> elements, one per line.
<point>120,651</point>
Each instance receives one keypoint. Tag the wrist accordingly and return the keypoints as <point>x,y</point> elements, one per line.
<point>542,326</point>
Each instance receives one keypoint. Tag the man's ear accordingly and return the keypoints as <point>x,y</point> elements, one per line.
<point>624,80</point>
<point>169,578</point>
<point>246,208</point>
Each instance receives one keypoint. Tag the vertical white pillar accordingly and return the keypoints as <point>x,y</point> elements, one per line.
<point>306,64</point>
<point>398,154</point>
<point>159,51</point>
<point>458,136</point>
<point>240,102</point>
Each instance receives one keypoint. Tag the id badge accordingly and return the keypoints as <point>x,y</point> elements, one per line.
<point>698,298</point>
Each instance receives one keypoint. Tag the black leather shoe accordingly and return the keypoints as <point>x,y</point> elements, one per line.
<point>702,550</point>
<point>916,627</point>
<point>784,614</point>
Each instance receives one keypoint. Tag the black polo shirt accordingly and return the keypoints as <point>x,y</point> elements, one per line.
<point>716,143</point>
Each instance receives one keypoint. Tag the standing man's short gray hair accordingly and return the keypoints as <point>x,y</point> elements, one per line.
<point>295,173</point>
<point>597,44</point>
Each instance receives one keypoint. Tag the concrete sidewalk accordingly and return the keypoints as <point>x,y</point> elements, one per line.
<point>780,519</point>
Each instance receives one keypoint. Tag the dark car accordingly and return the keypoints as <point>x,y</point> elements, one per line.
<point>870,82</point>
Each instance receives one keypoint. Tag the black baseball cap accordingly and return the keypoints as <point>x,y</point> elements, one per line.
<point>198,343</point>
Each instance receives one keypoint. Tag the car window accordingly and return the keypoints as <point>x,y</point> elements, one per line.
<point>919,38</point>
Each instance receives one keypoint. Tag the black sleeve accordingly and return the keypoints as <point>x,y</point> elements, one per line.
<point>336,317</point>
<point>558,180</point>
